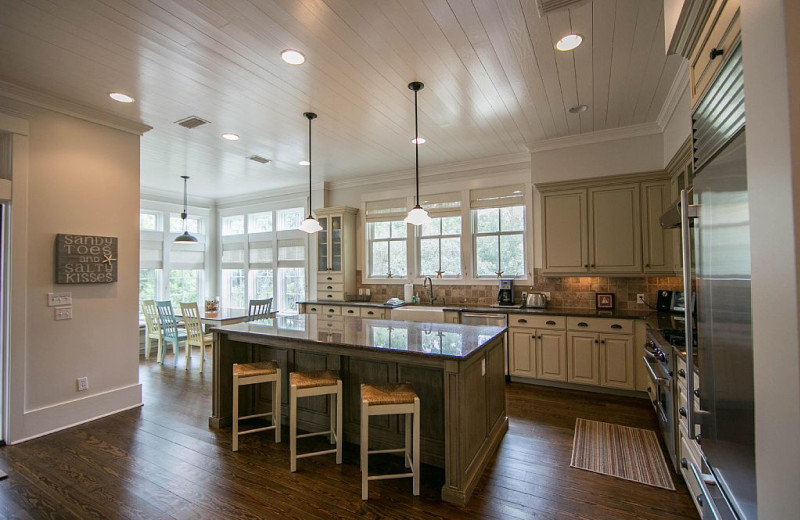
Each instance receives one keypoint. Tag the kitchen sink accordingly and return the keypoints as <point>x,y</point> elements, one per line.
<point>419,313</point>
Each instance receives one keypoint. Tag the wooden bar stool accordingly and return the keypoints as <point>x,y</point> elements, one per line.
<point>307,384</point>
<point>389,400</point>
<point>252,374</point>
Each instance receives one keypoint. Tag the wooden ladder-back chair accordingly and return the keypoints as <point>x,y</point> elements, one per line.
<point>259,309</point>
<point>152,329</point>
<point>194,333</point>
<point>169,326</point>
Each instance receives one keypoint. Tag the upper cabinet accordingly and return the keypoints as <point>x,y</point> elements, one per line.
<point>336,253</point>
<point>605,226</point>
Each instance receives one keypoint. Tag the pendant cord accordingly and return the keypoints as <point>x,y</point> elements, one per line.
<point>185,213</point>
<point>309,168</point>
<point>416,143</point>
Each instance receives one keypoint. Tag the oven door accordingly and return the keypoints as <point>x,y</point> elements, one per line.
<point>660,391</point>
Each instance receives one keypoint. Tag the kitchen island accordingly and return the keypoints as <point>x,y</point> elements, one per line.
<point>457,371</point>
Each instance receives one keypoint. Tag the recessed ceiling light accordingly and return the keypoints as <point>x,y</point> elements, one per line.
<point>122,98</point>
<point>230,137</point>
<point>569,42</point>
<point>304,163</point>
<point>577,109</point>
<point>293,57</point>
<point>420,140</point>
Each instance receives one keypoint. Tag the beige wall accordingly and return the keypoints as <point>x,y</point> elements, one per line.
<point>80,178</point>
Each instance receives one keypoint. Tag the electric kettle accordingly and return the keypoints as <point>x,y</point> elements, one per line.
<point>537,300</point>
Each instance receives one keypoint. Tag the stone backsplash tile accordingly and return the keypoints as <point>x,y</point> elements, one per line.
<point>568,291</point>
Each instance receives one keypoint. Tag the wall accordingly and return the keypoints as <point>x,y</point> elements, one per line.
<point>771,56</point>
<point>71,176</point>
<point>679,126</point>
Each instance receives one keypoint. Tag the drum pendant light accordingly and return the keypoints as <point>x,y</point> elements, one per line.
<point>417,216</point>
<point>185,238</point>
<point>310,224</point>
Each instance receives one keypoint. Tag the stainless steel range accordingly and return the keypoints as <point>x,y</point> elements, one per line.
<point>660,362</point>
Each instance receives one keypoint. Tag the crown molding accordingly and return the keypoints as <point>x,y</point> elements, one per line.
<point>679,86</point>
<point>600,136</point>
<point>269,195</point>
<point>173,197</point>
<point>459,170</point>
<point>49,102</point>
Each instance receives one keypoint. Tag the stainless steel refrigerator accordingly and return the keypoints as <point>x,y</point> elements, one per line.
<point>720,247</point>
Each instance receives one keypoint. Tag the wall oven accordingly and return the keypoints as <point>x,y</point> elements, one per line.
<point>660,363</point>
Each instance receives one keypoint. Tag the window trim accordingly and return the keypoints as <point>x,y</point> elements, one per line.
<point>418,253</point>
<point>475,234</point>
<point>368,248</point>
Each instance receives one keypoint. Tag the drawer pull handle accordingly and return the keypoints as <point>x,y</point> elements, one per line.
<point>330,310</point>
<point>550,322</point>
<point>330,288</point>
<point>682,411</point>
<point>370,313</point>
<point>616,326</point>
<point>583,324</point>
<point>682,372</point>
<point>522,320</point>
<point>716,52</point>
<point>314,309</point>
<point>350,311</point>
<point>330,296</point>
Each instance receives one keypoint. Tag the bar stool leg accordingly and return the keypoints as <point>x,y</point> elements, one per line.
<point>339,407</point>
<point>364,450</point>
<point>276,406</point>
<point>416,446</point>
<point>293,428</point>
<point>408,441</point>
<point>235,412</point>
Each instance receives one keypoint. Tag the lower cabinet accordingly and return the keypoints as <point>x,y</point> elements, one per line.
<point>583,358</point>
<point>538,354</point>
<point>599,359</point>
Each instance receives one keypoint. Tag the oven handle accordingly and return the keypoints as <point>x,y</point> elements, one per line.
<point>653,375</point>
<point>658,382</point>
<point>703,480</point>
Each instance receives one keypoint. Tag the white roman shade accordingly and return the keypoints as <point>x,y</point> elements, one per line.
<point>151,254</point>
<point>233,253</point>
<point>497,197</point>
<point>261,255</point>
<point>442,204</point>
<point>187,256</point>
<point>386,210</point>
<point>291,253</point>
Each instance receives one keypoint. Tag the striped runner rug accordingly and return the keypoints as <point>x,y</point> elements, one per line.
<point>622,452</point>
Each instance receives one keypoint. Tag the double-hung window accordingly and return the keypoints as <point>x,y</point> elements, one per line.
<point>439,241</point>
<point>291,273</point>
<point>233,265</point>
<point>387,238</point>
<point>498,223</point>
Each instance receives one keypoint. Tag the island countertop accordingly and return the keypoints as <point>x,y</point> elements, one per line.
<point>431,340</point>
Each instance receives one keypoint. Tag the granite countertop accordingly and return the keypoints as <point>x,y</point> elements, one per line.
<point>380,305</point>
<point>552,311</point>
<point>442,340</point>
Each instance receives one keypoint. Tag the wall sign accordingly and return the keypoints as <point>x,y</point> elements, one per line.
<point>86,259</point>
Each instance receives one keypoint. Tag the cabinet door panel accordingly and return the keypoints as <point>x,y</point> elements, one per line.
<point>615,229</point>
<point>523,360</point>
<point>657,241</point>
<point>616,361</point>
<point>552,355</point>
<point>322,245</point>
<point>564,246</point>
<point>583,359</point>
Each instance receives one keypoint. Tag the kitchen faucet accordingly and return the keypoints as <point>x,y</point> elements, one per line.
<point>429,283</point>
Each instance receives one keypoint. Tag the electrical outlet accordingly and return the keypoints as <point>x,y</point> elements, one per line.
<point>59,299</point>
<point>63,313</point>
<point>83,384</point>
<point>640,298</point>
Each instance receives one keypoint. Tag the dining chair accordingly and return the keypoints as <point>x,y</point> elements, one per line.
<point>259,309</point>
<point>194,333</point>
<point>170,329</point>
<point>152,328</point>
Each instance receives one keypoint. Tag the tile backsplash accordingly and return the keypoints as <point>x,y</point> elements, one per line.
<point>567,291</point>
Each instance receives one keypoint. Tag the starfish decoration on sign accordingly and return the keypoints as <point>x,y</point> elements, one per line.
<point>389,274</point>
<point>439,273</point>
<point>499,273</point>
<point>107,259</point>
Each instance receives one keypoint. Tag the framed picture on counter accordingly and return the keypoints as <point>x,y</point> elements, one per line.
<point>604,300</point>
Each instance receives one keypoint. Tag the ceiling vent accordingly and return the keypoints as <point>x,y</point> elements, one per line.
<point>192,122</point>
<point>259,159</point>
<point>548,6</point>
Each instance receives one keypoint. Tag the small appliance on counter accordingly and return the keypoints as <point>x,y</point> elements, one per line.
<point>536,300</point>
<point>505,293</point>
<point>673,301</point>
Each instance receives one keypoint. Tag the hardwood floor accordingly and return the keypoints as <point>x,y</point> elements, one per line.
<point>163,461</point>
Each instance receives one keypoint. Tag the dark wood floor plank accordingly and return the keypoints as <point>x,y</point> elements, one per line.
<point>163,461</point>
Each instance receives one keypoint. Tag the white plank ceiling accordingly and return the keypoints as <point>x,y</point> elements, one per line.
<point>494,84</point>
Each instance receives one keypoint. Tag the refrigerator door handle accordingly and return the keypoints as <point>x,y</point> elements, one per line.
<point>688,212</point>
<point>703,481</point>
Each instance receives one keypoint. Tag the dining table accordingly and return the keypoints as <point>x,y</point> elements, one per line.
<point>220,317</point>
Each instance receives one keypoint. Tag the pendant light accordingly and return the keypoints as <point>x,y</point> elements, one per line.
<point>417,216</point>
<point>185,238</point>
<point>310,224</point>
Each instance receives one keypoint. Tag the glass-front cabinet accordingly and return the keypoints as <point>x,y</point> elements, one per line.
<point>336,253</point>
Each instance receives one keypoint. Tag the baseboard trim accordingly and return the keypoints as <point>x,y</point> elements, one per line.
<point>580,388</point>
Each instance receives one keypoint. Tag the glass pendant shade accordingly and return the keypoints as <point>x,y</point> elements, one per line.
<point>310,225</point>
<point>417,216</point>
<point>185,238</point>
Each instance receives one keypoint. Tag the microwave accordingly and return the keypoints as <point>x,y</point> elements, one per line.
<point>672,301</point>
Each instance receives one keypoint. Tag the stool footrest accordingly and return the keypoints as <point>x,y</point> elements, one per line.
<point>315,434</point>
<point>397,450</point>
<point>314,453</point>
<point>389,477</point>
<point>265,414</point>
<point>254,430</point>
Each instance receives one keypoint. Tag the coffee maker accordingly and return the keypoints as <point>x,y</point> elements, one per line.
<point>505,293</point>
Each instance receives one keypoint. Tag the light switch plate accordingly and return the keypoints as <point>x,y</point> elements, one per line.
<point>63,313</point>
<point>59,299</point>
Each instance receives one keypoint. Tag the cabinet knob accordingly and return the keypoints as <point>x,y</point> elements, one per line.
<point>682,372</point>
<point>647,265</point>
<point>697,392</point>
<point>682,411</point>
<point>716,52</point>
<point>684,463</point>
<point>585,265</point>
<point>533,336</point>
<point>698,438</point>
<point>595,341</point>
<point>602,341</point>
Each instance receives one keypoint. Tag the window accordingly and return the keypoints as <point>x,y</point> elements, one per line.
<point>261,285</point>
<point>388,249</point>
<point>192,224</point>
<point>498,217</point>
<point>233,288</point>
<point>259,222</point>
<point>289,219</point>
<point>291,287</point>
<point>148,221</point>
<point>440,247</point>
<point>184,286</point>
<point>233,225</point>
<point>149,280</point>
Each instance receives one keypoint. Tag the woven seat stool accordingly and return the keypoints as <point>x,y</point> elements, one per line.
<point>399,399</point>
<point>252,374</point>
<point>308,384</point>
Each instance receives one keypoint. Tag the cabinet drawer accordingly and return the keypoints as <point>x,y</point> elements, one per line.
<point>330,296</point>
<point>313,309</point>
<point>331,310</point>
<point>600,325</point>
<point>351,311</point>
<point>536,322</point>
<point>682,374</point>
<point>330,287</point>
<point>330,278</point>
<point>683,420</point>
<point>378,314</point>
<point>721,32</point>
<point>330,326</point>
<point>685,456</point>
